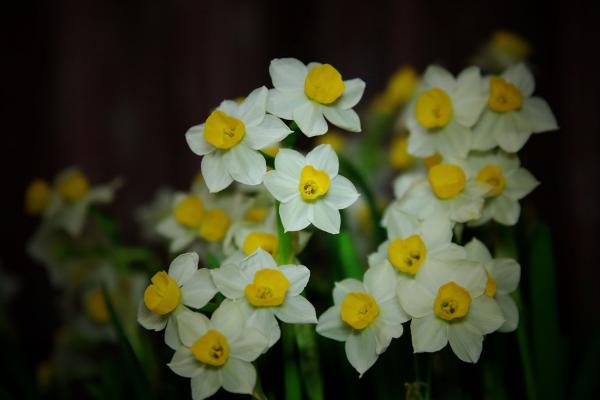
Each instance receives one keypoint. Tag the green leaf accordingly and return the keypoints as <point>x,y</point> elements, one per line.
<point>291,376</point>
<point>348,256</point>
<point>285,242</point>
<point>310,366</point>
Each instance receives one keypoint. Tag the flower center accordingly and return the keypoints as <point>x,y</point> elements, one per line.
<point>256,214</point>
<point>215,225</point>
<point>453,301</point>
<point>189,211</point>
<point>211,348</point>
<point>95,307</point>
<point>407,255</point>
<point>73,187</point>
<point>268,288</point>
<point>314,183</point>
<point>359,309</point>
<point>446,180</point>
<point>434,108</point>
<point>37,197</point>
<point>432,160</point>
<point>504,96</point>
<point>492,175</point>
<point>223,131</point>
<point>490,286</point>
<point>324,84</point>
<point>163,295</point>
<point>399,155</point>
<point>263,240</point>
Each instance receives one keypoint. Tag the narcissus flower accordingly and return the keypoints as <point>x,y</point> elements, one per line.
<point>448,304</point>
<point>366,315</point>
<point>309,94</point>
<point>231,138</point>
<point>217,352</point>
<point>508,182</point>
<point>445,109</point>
<point>310,189</point>
<point>512,114</point>
<point>37,197</point>
<point>267,291</point>
<point>183,285</point>
<point>503,279</point>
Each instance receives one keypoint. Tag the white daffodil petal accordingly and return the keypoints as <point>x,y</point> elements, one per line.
<point>298,276</point>
<point>384,334</point>
<point>331,325</point>
<point>519,183</point>
<point>238,376</point>
<point>214,171</point>
<point>436,76</point>
<point>352,94</point>
<point>296,310</point>
<point>196,142</point>
<point>342,193</point>
<point>483,132</point>
<point>183,267</point>
<point>420,142</point>
<point>415,299</point>
<point>245,165</point>
<point>511,140</point>
<point>505,210</point>
<point>229,280</point>
<point>260,259</point>
<point>476,251</point>
<point>466,341</point>
<point>206,384</point>
<point>341,289</point>
<point>290,163</point>
<point>171,333</point>
<point>469,98</point>
<point>264,320</point>
<point>287,73</point>
<point>361,350</point>
<point>282,187</point>
<point>520,76</point>
<point>325,217</point>
<point>269,132</point>
<point>485,314</point>
<point>252,110</point>
<point>509,311</point>
<point>190,326</point>
<point>507,273</point>
<point>381,282</point>
<point>391,312</point>
<point>538,112</point>
<point>428,334</point>
<point>149,320</point>
<point>249,346</point>
<point>454,141</point>
<point>282,103</point>
<point>294,214</point>
<point>199,289</point>
<point>229,319</point>
<point>184,363</point>
<point>230,107</point>
<point>310,119</point>
<point>345,119</point>
<point>324,158</point>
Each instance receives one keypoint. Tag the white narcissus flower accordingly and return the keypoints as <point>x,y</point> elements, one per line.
<point>512,114</point>
<point>217,352</point>
<point>414,245</point>
<point>445,109</point>
<point>267,291</point>
<point>367,316</point>
<point>448,304</point>
<point>310,189</point>
<point>168,294</point>
<point>503,279</point>
<point>509,183</point>
<point>231,138</point>
<point>309,94</point>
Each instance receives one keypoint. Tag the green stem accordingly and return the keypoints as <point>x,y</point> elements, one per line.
<point>526,361</point>
<point>310,365</point>
<point>349,258</point>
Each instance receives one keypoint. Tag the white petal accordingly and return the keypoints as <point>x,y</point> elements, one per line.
<point>520,76</point>
<point>183,267</point>
<point>324,158</point>
<point>483,131</point>
<point>470,275</point>
<point>331,325</point>
<point>172,332</point>
<point>476,251</point>
<point>206,384</point>
<point>294,214</point>
<point>505,210</point>
<point>345,119</point>
<point>415,299</point>
<point>264,320</point>
<point>238,376</point>
<point>230,107</point>
<point>508,136</point>
<point>420,141</point>
<point>149,320</point>
<point>296,310</point>
<point>384,334</point>
<point>469,98</point>
<point>199,289</point>
<point>361,350</point>
<point>341,289</point>
<point>282,187</point>
<point>391,313</point>
<point>507,273</point>
<point>191,325</point>
<point>539,114</point>
<point>245,165</point>
<point>290,163</point>
<point>229,280</point>
<point>454,140</point>
<point>510,312</point>
<point>519,183</point>
<point>436,76</point>
<point>466,341</point>
<point>325,217</point>
<point>436,232</point>
<point>485,314</point>
<point>310,119</point>
<point>250,345</point>
<point>287,73</point>
<point>381,283</point>
<point>214,172</point>
<point>195,140</point>
<point>429,334</point>
<point>253,108</point>
<point>260,259</point>
<point>229,319</point>
<point>298,276</point>
<point>269,132</point>
<point>282,103</point>
<point>184,363</point>
<point>352,94</point>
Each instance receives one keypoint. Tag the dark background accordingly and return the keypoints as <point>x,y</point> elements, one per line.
<point>112,86</point>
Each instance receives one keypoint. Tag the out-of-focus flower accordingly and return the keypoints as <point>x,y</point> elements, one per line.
<point>400,158</point>
<point>37,197</point>
<point>400,88</point>
<point>335,139</point>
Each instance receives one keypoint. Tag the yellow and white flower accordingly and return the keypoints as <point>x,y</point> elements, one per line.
<point>503,279</point>
<point>310,189</point>
<point>365,315</point>
<point>508,184</point>
<point>168,294</point>
<point>310,93</point>
<point>267,291</point>
<point>231,138</point>
<point>512,114</point>
<point>218,352</point>
<point>448,304</point>
<point>445,109</point>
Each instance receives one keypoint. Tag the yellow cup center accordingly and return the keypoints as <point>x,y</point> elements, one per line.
<point>189,211</point>
<point>314,183</point>
<point>211,348</point>
<point>260,240</point>
<point>96,308</point>
<point>504,96</point>
<point>359,309</point>
<point>446,180</point>
<point>490,286</point>
<point>432,160</point>
<point>492,175</point>
<point>434,108</point>
<point>214,225</point>
<point>163,295</point>
<point>399,156</point>
<point>73,187</point>
<point>324,84</point>
<point>268,288</point>
<point>256,214</point>
<point>452,301</point>
<point>223,131</point>
<point>407,255</point>
<point>37,197</point>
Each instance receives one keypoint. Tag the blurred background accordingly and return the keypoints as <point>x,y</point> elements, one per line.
<point>112,86</point>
